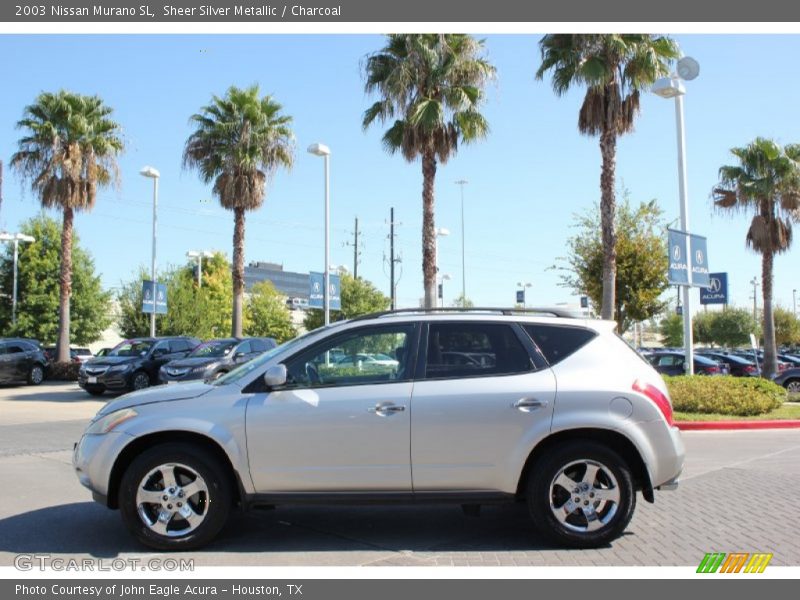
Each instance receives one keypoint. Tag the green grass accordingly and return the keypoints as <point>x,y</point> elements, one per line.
<point>787,411</point>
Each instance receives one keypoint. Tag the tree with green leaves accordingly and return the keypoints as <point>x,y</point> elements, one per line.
<point>431,91</point>
<point>765,184</point>
<point>463,302</point>
<point>67,152</point>
<point>614,68</point>
<point>266,314</point>
<point>201,311</point>
<point>732,327</point>
<point>671,330</point>
<point>359,297</point>
<point>239,141</point>
<point>38,294</point>
<point>787,327</point>
<point>641,259</point>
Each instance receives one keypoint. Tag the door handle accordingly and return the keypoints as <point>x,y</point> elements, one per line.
<point>385,408</point>
<point>529,404</point>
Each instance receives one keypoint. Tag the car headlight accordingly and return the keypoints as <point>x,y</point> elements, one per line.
<point>203,368</point>
<point>110,421</point>
<point>119,369</point>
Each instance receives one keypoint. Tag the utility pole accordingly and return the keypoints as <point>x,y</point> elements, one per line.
<point>391,259</point>
<point>462,183</point>
<point>356,250</point>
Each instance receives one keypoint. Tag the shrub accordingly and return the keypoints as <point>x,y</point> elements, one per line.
<point>742,396</point>
<point>64,371</point>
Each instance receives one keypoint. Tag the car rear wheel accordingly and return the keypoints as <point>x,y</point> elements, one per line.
<point>140,380</point>
<point>793,386</point>
<point>175,497</point>
<point>36,375</point>
<point>581,495</point>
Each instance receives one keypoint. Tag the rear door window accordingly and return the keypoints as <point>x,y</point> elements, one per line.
<point>557,342</point>
<point>457,350</point>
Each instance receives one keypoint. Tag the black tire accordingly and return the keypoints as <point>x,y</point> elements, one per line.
<point>214,505</point>
<point>95,391</point>
<point>545,497</point>
<point>36,375</point>
<point>140,380</point>
<point>792,386</point>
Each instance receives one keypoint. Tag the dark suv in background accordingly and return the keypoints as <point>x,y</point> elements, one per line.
<point>214,358</point>
<point>133,364</point>
<point>22,360</point>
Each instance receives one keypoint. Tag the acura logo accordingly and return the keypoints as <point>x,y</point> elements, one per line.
<point>699,257</point>
<point>715,285</point>
<point>676,252</point>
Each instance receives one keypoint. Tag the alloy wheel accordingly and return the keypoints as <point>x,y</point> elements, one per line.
<point>584,496</point>
<point>172,500</point>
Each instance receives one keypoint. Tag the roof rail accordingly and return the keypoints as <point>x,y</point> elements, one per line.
<point>541,311</point>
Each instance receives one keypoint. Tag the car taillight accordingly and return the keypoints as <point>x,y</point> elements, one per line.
<point>749,369</point>
<point>657,396</point>
<point>711,370</point>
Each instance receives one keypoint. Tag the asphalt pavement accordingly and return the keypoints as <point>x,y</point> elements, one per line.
<point>737,495</point>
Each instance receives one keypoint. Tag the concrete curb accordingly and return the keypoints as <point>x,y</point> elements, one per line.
<point>734,425</point>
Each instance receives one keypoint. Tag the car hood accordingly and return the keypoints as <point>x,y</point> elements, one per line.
<point>161,393</point>
<point>184,363</point>
<point>111,361</point>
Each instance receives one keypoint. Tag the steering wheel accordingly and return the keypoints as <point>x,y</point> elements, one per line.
<point>312,373</point>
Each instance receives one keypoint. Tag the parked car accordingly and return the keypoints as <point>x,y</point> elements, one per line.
<point>673,363</point>
<point>737,366</point>
<point>103,352</point>
<point>76,355</point>
<point>22,359</point>
<point>133,364</point>
<point>790,379</point>
<point>214,359</point>
<point>279,430</point>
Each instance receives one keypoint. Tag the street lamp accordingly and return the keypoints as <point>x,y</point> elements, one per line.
<point>16,238</point>
<point>442,279</point>
<point>153,174</point>
<point>794,302</point>
<point>754,283</point>
<point>199,255</point>
<point>672,87</point>
<point>462,183</point>
<point>322,150</point>
<point>523,286</point>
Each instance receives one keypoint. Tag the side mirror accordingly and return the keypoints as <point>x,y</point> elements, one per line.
<point>275,376</point>
<point>238,356</point>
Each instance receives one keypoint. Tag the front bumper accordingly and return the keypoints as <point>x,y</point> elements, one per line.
<point>93,459</point>
<point>165,377</point>
<point>107,381</point>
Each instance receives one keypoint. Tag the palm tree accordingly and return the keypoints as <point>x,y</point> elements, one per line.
<point>431,87</point>
<point>766,184</point>
<point>615,68</point>
<point>239,142</point>
<point>68,151</point>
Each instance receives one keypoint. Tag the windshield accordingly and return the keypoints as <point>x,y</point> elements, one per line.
<point>132,348</point>
<point>215,349</point>
<point>264,358</point>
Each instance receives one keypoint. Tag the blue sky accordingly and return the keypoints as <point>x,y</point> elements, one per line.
<point>526,180</point>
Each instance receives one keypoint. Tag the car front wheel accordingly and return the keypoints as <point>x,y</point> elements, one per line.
<point>140,380</point>
<point>793,386</point>
<point>581,495</point>
<point>175,497</point>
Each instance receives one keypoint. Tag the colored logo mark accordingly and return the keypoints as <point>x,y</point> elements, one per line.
<point>735,562</point>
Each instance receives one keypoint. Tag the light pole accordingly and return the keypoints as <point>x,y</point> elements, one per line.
<point>322,150</point>
<point>754,283</point>
<point>442,279</point>
<point>153,174</point>
<point>672,87</point>
<point>16,238</point>
<point>440,232</point>
<point>523,286</point>
<point>794,302</point>
<point>199,255</point>
<point>462,183</point>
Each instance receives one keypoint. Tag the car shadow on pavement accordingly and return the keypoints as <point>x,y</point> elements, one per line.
<point>85,528</point>
<point>62,392</point>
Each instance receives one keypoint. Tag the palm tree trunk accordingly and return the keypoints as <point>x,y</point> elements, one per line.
<point>770,351</point>
<point>65,284</point>
<point>608,150</point>
<point>428,229</point>
<point>237,270</point>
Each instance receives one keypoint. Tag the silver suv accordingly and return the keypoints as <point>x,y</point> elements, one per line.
<point>468,407</point>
